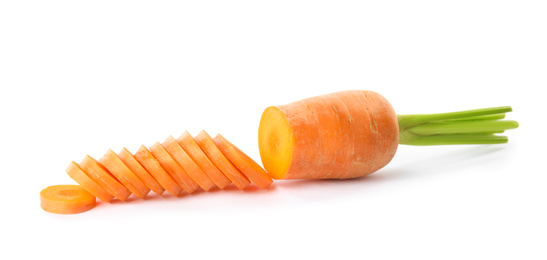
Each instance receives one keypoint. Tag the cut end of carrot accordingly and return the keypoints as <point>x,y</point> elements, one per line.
<point>275,142</point>
<point>66,199</point>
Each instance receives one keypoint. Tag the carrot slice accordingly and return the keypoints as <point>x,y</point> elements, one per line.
<point>217,157</point>
<point>101,176</point>
<point>173,168</point>
<point>129,160</point>
<point>77,174</point>
<point>244,163</point>
<point>146,159</point>
<point>112,163</point>
<point>66,199</point>
<point>184,160</point>
<point>187,142</point>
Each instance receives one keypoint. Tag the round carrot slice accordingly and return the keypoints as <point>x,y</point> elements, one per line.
<point>77,174</point>
<point>173,168</point>
<point>114,165</point>
<point>146,159</point>
<point>184,160</point>
<point>129,160</point>
<point>217,157</point>
<point>187,142</point>
<point>244,163</point>
<point>66,199</point>
<point>101,176</point>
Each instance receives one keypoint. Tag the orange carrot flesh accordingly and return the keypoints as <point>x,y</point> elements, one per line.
<point>275,142</point>
<point>217,157</point>
<point>302,140</point>
<point>66,199</point>
<point>77,174</point>
<point>149,162</point>
<point>244,163</point>
<point>187,142</point>
<point>114,165</point>
<point>189,166</point>
<point>101,176</point>
<point>129,160</point>
<point>173,168</point>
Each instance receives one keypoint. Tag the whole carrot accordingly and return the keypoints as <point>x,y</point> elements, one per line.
<point>350,134</point>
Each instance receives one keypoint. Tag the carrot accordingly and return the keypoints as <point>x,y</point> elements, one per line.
<point>217,157</point>
<point>350,134</point>
<point>347,134</point>
<point>66,199</point>
<point>173,168</point>
<point>187,142</point>
<point>146,159</point>
<point>112,163</point>
<point>244,163</point>
<point>77,174</point>
<point>335,137</point>
<point>184,160</point>
<point>129,160</point>
<point>101,176</point>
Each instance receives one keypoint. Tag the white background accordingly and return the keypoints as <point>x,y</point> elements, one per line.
<point>78,78</point>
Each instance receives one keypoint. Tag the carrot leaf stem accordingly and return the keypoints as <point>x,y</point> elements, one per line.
<point>478,126</point>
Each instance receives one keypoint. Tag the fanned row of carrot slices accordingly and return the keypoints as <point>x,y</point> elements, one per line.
<point>177,165</point>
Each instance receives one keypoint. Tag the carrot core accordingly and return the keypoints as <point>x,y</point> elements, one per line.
<point>275,142</point>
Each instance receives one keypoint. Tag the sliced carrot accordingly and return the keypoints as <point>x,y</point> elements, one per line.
<point>217,157</point>
<point>244,163</point>
<point>66,199</point>
<point>77,174</point>
<point>146,159</point>
<point>173,168</point>
<point>187,142</point>
<point>101,176</point>
<point>129,160</point>
<point>184,160</point>
<point>114,165</point>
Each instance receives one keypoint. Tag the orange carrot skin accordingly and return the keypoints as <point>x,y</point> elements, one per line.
<point>335,136</point>
<point>243,162</point>
<point>66,199</point>
<point>362,140</point>
<point>386,130</point>
<point>77,174</point>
